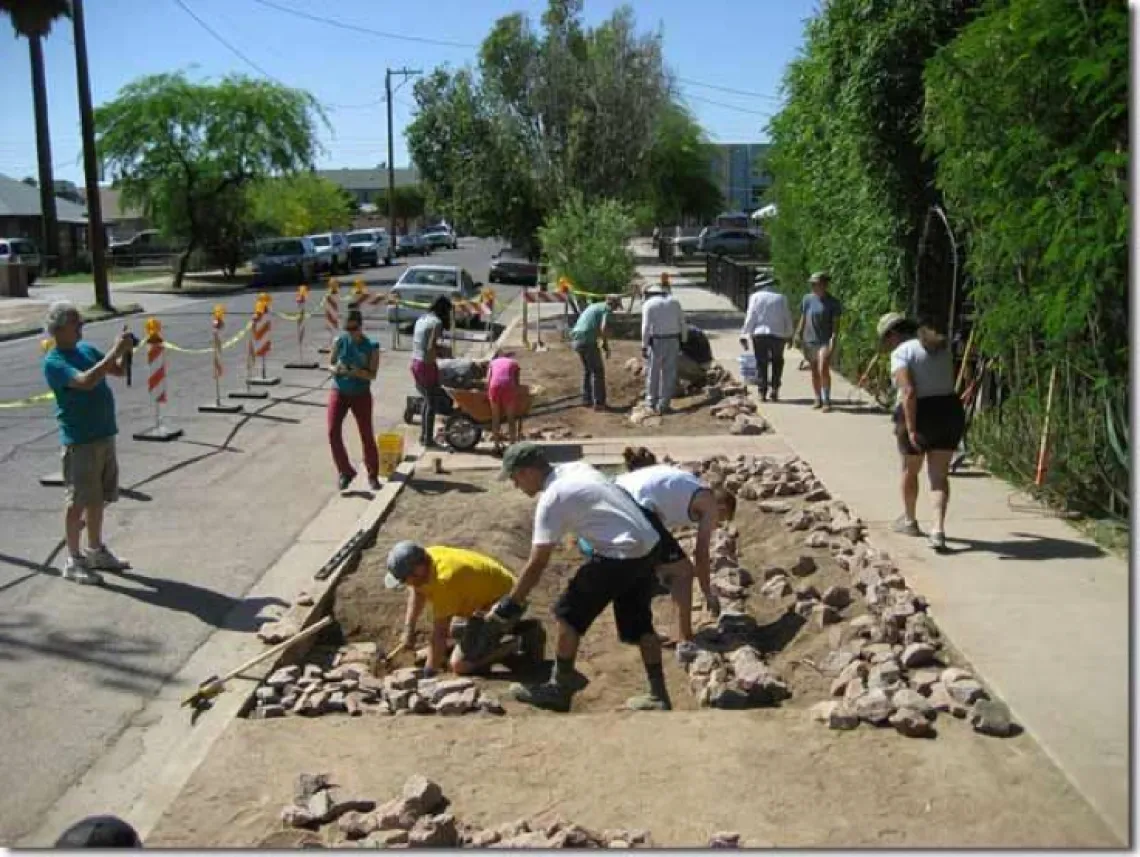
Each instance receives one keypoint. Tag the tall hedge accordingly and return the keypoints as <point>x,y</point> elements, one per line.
<point>1008,117</point>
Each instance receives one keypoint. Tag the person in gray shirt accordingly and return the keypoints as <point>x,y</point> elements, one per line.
<point>929,417</point>
<point>818,332</point>
<point>426,352</point>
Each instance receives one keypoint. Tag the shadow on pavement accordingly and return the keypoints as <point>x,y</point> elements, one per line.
<point>435,487</point>
<point>1027,547</point>
<point>213,608</point>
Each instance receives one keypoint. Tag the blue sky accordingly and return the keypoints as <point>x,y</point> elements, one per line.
<point>739,45</point>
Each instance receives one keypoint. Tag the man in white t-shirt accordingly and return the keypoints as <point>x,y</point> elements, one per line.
<point>578,500</point>
<point>676,498</point>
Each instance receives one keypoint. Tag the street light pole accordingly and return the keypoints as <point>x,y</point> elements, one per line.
<point>96,238</point>
<point>405,73</point>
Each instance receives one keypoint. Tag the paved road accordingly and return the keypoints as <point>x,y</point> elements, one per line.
<point>203,518</point>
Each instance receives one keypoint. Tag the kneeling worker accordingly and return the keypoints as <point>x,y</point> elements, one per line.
<point>459,585</point>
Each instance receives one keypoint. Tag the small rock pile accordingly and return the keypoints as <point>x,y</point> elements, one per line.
<point>550,433</point>
<point>351,687</point>
<point>760,477</point>
<point>421,818</point>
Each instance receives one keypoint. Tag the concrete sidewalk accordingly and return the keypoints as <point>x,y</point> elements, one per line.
<point>1038,609</point>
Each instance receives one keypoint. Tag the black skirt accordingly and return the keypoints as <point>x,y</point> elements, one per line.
<point>940,421</point>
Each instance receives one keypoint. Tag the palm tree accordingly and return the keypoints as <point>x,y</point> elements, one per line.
<point>33,19</point>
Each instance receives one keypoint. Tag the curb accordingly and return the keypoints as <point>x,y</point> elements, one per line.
<point>35,330</point>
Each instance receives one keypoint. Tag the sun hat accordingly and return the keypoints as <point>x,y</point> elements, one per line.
<point>403,559</point>
<point>819,275</point>
<point>888,322</point>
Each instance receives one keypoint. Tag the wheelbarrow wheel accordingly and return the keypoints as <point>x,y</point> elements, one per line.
<point>462,433</point>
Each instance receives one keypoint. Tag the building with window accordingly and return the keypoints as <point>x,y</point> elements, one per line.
<point>740,171</point>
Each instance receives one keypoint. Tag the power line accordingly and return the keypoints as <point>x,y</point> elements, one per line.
<point>244,58</point>
<point>728,106</point>
<point>356,28</point>
<point>729,90</point>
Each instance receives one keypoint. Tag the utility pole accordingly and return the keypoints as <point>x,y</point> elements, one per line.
<point>405,73</point>
<point>96,235</point>
<point>48,219</point>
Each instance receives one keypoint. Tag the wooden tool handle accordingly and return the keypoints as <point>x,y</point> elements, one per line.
<point>280,647</point>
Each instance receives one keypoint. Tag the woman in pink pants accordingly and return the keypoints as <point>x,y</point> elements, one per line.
<point>354,361</point>
<point>504,393</point>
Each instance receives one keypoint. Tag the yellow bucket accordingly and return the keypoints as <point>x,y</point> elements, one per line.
<point>391,447</point>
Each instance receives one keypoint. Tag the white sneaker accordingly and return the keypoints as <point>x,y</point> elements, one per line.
<point>102,558</point>
<point>76,570</point>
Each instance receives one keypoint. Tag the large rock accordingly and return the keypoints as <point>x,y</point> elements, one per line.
<point>918,655</point>
<point>992,718</point>
<point>746,424</point>
<point>854,671</point>
<point>915,701</point>
<point>884,675</point>
<point>911,723</point>
<point>434,831</point>
<point>837,597</point>
<point>422,795</point>
<point>833,663</point>
<point>941,700</point>
<point>804,566</point>
<point>874,706</point>
<point>966,691</point>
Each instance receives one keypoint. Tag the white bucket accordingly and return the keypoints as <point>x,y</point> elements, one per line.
<point>747,367</point>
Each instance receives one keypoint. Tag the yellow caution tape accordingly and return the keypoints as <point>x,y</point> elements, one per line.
<point>41,399</point>
<point>230,343</point>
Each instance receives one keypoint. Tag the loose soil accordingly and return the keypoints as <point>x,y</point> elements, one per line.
<point>558,371</point>
<point>477,511</point>
<point>773,776</point>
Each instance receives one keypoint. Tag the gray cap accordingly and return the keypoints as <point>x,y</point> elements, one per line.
<point>519,455</point>
<point>403,559</point>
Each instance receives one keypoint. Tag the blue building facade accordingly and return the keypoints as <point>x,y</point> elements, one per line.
<point>740,171</point>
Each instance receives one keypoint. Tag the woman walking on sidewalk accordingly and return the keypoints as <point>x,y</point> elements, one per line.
<point>818,332</point>
<point>354,362</point>
<point>426,351</point>
<point>929,417</point>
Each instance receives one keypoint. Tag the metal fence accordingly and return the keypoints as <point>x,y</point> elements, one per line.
<point>734,280</point>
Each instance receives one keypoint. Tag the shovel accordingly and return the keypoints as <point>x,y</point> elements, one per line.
<point>213,686</point>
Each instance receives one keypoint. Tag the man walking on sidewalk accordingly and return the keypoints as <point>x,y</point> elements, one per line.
<point>818,331</point>
<point>768,327</point>
<point>619,570</point>
<point>76,371</point>
<point>663,330</point>
<point>589,340</point>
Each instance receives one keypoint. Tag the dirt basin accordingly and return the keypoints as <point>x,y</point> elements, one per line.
<point>558,371</point>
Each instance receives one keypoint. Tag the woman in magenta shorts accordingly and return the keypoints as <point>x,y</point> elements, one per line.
<point>504,393</point>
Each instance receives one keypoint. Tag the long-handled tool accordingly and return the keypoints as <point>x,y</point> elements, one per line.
<point>213,686</point>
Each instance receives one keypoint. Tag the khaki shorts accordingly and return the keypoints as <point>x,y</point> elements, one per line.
<point>91,472</point>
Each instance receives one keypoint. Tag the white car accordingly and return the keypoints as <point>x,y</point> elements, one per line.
<point>440,237</point>
<point>21,251</point>
<point>420,285</point>
<point>369,246</point>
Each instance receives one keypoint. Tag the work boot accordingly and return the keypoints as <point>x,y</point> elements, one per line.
<point>904,527</point>
<point>648,702</point>
<point>547,695</point>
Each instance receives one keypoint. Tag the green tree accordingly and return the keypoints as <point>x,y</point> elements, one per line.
<point>678,179</point>
<point>588,243</point>
<point>179,149</point>
<point>299,205</point>
<point>410,203</point>
<point>546,113</point>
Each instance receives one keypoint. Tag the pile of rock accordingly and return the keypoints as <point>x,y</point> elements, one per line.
<point>726,670</point>
<point>420,818</point>
<point>351,687</point>
<point>888,666</point>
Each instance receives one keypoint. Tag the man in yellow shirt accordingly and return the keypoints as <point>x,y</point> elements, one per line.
<point>459,585</point>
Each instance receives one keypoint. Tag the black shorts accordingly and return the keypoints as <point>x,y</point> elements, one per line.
<point>940,421</point>
<point>668,550</point>
<point>626,583</point>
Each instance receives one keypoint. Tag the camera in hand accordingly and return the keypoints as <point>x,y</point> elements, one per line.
<point>128,358</point>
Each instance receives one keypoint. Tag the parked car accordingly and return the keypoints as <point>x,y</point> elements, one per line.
<point>285,260</point>
<point>412,245</point>
<point>686,243</point>
<point>148,247</point>
<point>333,254</point>
<point>21,251</point>
<point>440,237</point>
<point>422,284</point>
<point>369,246</point>
<point>511,267</point>
<point>729,242</point>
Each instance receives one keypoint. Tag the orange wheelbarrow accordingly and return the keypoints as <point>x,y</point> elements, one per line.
<point>464,428</point>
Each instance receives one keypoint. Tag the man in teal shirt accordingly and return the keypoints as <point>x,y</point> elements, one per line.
<point>588,339</point>
<point>85,410</point>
